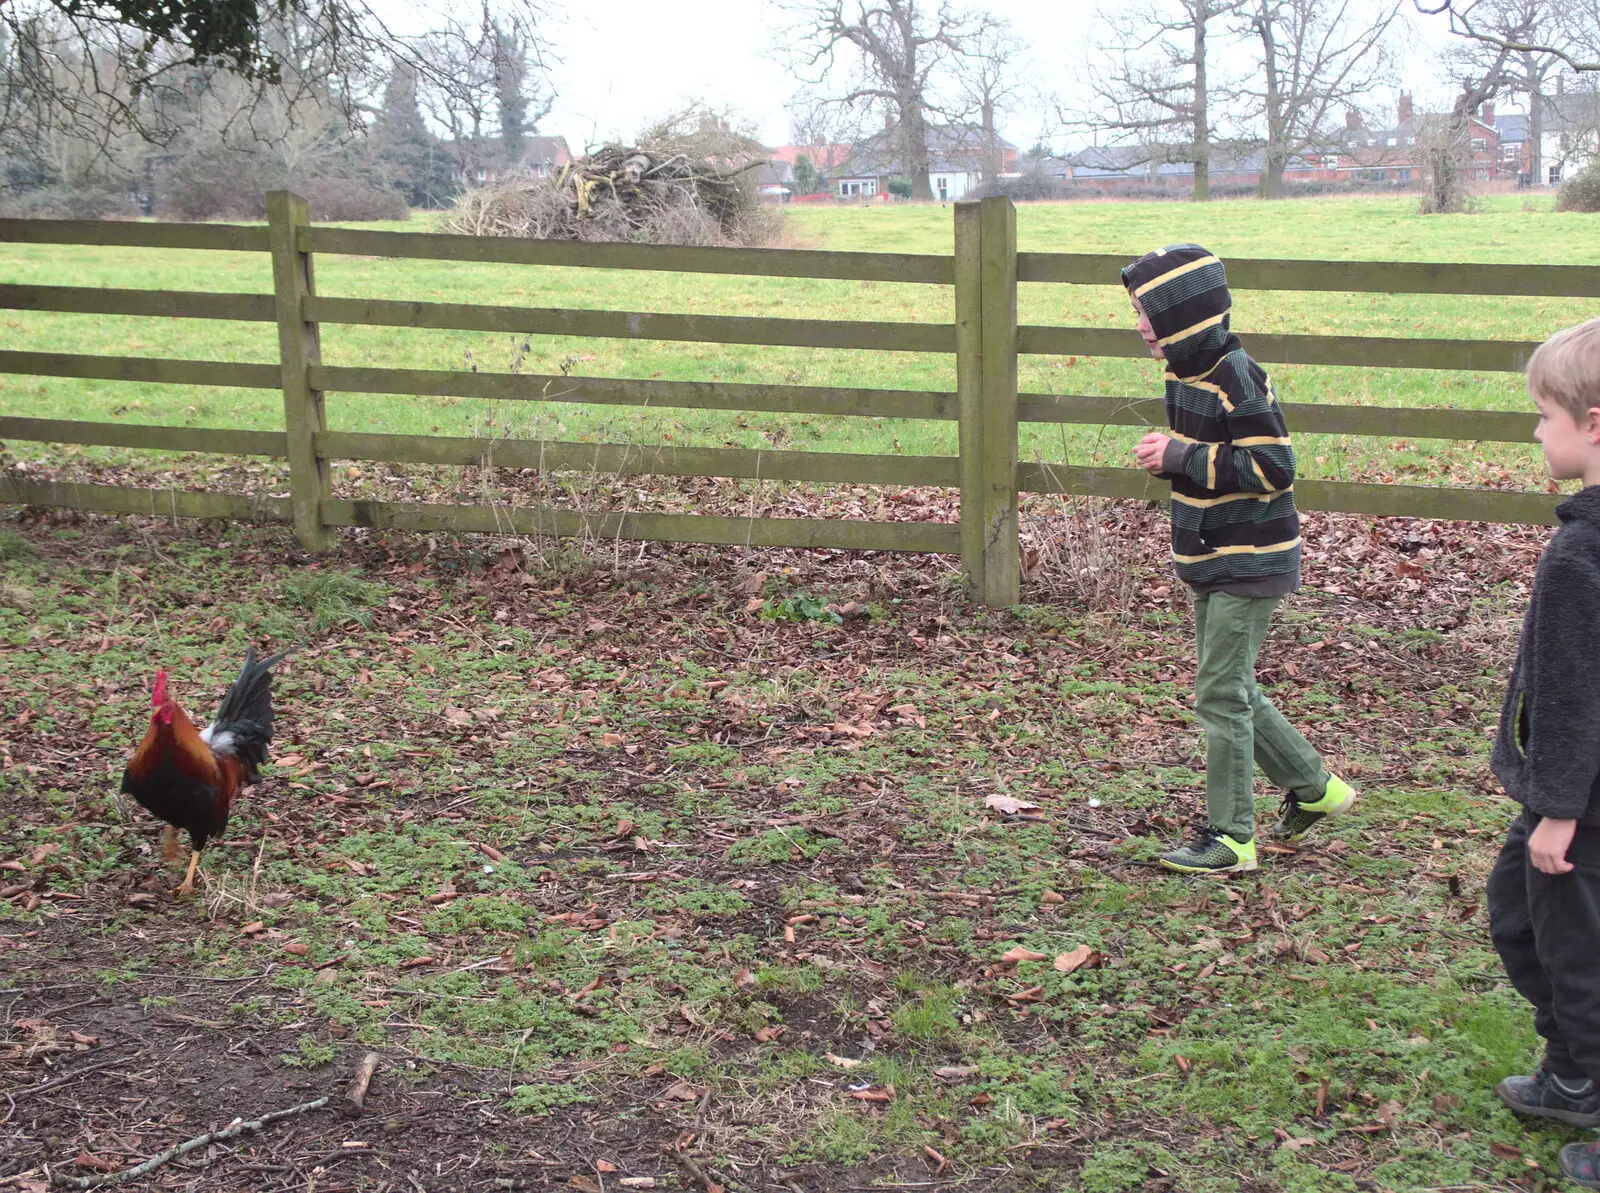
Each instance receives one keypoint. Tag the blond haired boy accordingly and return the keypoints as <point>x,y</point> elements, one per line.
<point>1544,892</point>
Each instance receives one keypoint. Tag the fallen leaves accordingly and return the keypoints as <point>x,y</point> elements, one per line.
<point>875,1093</point>
<point>1019,953</point>
<point>98,1163</point>
<point>1079,958</point>
<point>1009,804</point>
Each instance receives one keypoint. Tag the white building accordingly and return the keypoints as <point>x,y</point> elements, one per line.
<point>863,186</point>
<point>949,185</point>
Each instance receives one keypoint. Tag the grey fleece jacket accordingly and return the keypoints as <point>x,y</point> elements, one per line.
<point>1547,753</point>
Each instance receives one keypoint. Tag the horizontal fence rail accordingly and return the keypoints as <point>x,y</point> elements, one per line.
<point>712,529</point>
<point>985,339</point>
<point>130,234</point>
<point>143,368</point>
<point>157,503</point>
<point>1382,277</point>
<point>636,325</point>
<point>139,435</point>
<point>619,391</point>
<point>172,304</point>
<point>630,459</point>
<point>668,258</point>
<point>1502,356</point>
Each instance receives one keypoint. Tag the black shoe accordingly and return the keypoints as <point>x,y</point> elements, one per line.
<point>1545,1096</point>
<point>1580,1164</point>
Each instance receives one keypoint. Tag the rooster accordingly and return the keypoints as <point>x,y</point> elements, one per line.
<point>189,777</point>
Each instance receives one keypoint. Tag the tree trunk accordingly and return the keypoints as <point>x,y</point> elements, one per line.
<point>1272,174</point>
<point>914,148</point>
<point>1202,124</point>
<point>991,145</point>
<point>1536,131</point>
<point>1449,145</point>
<point>1276,156</point>
<point>1446,194</point>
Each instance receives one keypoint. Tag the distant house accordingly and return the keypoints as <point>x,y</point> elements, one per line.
<point>1359,154</point>
<point>482,160</point>
<point>1120,167</point>
<point>825,161</point>
<point>1396,154</point>
<point>955,163</point>
<point>861,186</point>
<point>1569,136</point>
<point>774,181</point>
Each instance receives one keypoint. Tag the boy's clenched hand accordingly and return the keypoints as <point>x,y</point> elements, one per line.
<point>1547,845</point>
<point>1152,448</point>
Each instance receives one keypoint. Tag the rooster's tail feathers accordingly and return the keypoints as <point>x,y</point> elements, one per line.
<point>243,726</point>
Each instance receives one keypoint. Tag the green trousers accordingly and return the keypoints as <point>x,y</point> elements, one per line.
<point>1242,727</point>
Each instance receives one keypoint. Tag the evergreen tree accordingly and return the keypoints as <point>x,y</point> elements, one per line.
<point>411,156</point>
<point>510,76</point>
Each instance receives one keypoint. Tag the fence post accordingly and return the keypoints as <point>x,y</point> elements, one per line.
<point>969,389</point>
<point>986,388</point>
<point>299,347</point>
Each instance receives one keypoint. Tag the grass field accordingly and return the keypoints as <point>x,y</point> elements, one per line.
<point>1509,230</point>
<point>663,873</point>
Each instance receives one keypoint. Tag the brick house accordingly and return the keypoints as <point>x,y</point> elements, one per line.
<point>1569,136</point>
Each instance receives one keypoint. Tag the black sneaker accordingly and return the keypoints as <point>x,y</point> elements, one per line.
<point>1580,1164</point>
<point>1298,818</point>
<point>1212,852</point>
<point>1545,1095</point>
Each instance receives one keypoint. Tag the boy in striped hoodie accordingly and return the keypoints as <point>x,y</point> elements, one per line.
<point>1235,542</point>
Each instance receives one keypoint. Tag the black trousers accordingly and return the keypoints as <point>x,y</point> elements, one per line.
<point>1546,928</point>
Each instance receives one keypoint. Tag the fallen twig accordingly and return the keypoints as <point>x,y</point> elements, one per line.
<point>355,1097</point>
<point>235,1128</point>
<point>695,1171</point>
<point>66,1077</point>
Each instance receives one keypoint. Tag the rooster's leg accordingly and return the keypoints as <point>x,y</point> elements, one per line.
<point>186,887</point>
<point>170,850</point>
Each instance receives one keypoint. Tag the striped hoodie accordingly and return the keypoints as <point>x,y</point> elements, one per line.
<point>1234,525</point>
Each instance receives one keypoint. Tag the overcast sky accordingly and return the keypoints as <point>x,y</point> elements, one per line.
<point>627,62</point>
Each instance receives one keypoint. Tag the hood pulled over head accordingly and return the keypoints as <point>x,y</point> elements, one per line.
<point>1184,293</point>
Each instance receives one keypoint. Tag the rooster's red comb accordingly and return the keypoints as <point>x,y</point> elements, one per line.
<point>158,692</point>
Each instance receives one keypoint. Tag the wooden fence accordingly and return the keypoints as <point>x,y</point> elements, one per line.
<point>985,338</point>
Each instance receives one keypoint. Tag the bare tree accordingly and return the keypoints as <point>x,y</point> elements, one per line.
<point>1316,57</point>
<point>890,53</point>
<point>990,82</point>
<point>1446,141</point>
<point>1155,88</point>
<point>126,68</point>
<point>1522,27</point>
<point>475,88</point>
<point>825,127</point>
<point>1529,71</point>
<point>1573,38</point>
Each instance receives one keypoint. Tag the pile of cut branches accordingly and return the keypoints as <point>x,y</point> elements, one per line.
<point>674,187</point>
